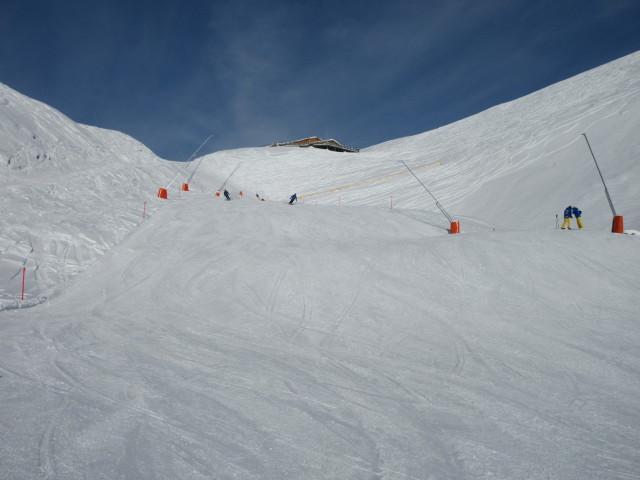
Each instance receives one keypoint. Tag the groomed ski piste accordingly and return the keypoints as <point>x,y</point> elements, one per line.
<point>347,336</point>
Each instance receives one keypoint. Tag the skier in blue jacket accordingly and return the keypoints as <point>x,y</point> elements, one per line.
<point>293,198</point>
<point>578,214</point>
<point>567,217</point>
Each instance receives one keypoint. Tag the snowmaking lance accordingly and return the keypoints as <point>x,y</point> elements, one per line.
<point>162,192</point>
<point>617,225</point>
<point>455,226</point>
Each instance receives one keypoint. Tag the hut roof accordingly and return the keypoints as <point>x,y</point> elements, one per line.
<point>317,142</point>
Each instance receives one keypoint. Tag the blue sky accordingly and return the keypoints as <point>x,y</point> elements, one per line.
<point>250,72</point>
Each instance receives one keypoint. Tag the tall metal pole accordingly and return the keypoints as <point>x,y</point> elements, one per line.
<point>601,177</point>
<point>230,175</point>
<point>436,200</point>
<point>180,170</point>
<point>194,154</point>
<point>24,272</point>
<point>174,177</point>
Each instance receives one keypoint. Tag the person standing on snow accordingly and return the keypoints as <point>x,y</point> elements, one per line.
<point>567,217</point>
<point>226,194</point>
<point>293,198</point>
<point>578,214</point>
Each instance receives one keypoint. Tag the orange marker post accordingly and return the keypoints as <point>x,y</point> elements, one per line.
<point>618,224</point>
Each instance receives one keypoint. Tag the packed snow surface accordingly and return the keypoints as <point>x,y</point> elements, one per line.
<point>345,336</point>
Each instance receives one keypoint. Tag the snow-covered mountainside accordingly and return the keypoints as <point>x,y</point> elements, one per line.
<point>346,336</point>
<point>516,165</point>
<point>81,189</point>
<point>69,193</point>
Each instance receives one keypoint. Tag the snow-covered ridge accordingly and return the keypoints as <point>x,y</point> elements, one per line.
<point>69,193</point>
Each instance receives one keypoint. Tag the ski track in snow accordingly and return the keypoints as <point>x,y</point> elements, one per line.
<point>376,390</point>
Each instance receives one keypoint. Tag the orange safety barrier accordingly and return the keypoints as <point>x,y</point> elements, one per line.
<point>618,224</point>
<point>185,187</point>
<point>455,227</point>
<point>380,179</point>
<point>162,193</point>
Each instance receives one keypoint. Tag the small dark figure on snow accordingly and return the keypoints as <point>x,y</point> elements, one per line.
<point>294,198</point>
<point>226,194</point>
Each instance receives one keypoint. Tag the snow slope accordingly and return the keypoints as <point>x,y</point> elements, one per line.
<point>516,165</point>
<point>69,193</point>
<point>256,340</point>
<point>336,338</point>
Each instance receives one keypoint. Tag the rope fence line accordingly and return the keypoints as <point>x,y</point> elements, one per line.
<point>368,181</point>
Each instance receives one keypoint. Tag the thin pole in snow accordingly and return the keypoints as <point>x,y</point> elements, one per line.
<point>174,177</point>
<point>601,177</point>
<point>230,175</point>
<point>436,200</point>
<point>24,271</point>
<point>180,170</point>
<point>194,154</point>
